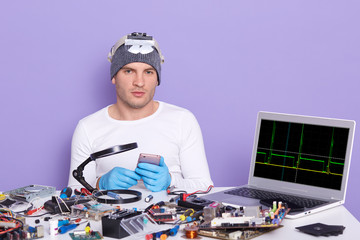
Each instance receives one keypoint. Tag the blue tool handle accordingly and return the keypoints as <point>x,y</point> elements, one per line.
<point>174,230</point>
<point>67,228</point>
<point>66,192</point>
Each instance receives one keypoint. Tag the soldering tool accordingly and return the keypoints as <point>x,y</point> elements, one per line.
<point>187,213</point>
<point>114,195</point>
<point>196,216</point>
<point>156,205</point>
<point>170,232</point>
<point>65,228</point>
<point>170,189</point>
<point>63,222</point>
<point>148,207</point>
<point>175,199</point>
<point>174,230</point>
<point>66,192</point>
<point>163,234</point>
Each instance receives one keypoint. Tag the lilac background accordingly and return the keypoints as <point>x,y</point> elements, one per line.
<point>224,60</point>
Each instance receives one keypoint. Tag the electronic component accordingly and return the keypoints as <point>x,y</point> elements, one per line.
<point>7,203</point>
<point>82,235</point>
<point>211,211</point>
<point>111,223</point>
<point>53,226</point>
<point>59,205</point>
<point>149,198</point>
<point>7,224</point>
<point>194,202</point>
<point>191,231</point>
<point>30,192</point>
<point>160,215</point>
<point>92,210</point>
<point>254,211</point>
<point>229,222</point>
<point>232,234</point>
<point>33,232</point>
<point>123,223</point>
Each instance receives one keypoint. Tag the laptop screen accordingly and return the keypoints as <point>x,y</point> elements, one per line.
<point>301,153</point>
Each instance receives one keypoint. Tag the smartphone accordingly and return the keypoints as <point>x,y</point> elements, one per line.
<point>149,158</point>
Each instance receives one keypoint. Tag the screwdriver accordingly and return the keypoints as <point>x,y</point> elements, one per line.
<point>66,228</point>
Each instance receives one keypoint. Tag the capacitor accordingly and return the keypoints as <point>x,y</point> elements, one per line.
<point>149,198</point>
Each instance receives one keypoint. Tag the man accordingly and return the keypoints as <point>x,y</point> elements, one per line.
<point>157,127</point>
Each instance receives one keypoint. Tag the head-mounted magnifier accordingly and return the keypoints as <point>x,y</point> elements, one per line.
<point>78,173</point>
<point>137,39</point>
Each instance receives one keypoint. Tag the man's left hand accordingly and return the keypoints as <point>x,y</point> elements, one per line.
<point>155,177</point>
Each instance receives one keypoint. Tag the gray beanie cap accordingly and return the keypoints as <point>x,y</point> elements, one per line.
<point>130,49</point>
<point>122,57</point>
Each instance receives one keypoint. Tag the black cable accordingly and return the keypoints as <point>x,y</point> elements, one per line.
<point>135,193</point>
<point>22,215</point>
<point>177,192</point>
<point>26,210</point>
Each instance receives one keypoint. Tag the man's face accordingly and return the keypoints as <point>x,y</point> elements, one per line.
<point>135,84</point>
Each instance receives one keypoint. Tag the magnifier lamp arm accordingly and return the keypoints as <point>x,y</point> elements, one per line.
<point>78,173</point>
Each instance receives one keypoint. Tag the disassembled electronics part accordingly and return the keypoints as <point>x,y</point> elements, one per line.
<point>59,205</point>
<point>161,216</point>
<point>82,235</point>
<point>91,210</point>
<point>124,223</point>
<point>30,192</point>
<point>194,202</point>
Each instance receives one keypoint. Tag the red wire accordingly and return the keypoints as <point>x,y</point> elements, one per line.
<point>199,191</point>
<point>9,229</point>
<point>30,212</point>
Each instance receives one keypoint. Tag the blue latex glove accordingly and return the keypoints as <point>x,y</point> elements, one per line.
<point>156,178</point>
<point>118,178</point>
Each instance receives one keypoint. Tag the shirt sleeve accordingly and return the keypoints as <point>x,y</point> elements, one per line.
<point>80,151</point>
<point>194,167</point>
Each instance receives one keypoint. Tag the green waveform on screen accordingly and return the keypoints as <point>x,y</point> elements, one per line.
<point>297,160</point>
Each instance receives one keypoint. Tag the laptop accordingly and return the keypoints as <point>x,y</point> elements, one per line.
<point>301,160</point>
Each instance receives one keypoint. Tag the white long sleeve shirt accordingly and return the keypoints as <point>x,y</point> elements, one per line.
<point>171,132</point>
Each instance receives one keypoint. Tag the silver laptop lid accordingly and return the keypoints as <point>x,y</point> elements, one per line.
<point>302,155</point>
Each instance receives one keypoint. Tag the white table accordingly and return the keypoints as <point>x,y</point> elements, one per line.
<point>336,216</point>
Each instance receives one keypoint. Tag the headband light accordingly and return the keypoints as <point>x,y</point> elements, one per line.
<point>141,43</point>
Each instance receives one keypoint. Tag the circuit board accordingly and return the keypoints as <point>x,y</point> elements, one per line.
<point>235,234</point>
<point>92,236</point>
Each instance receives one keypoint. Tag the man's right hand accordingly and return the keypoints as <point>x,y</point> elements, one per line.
<point>118,178</point>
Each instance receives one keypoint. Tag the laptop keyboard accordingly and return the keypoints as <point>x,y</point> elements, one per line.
<point>262,194</point>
